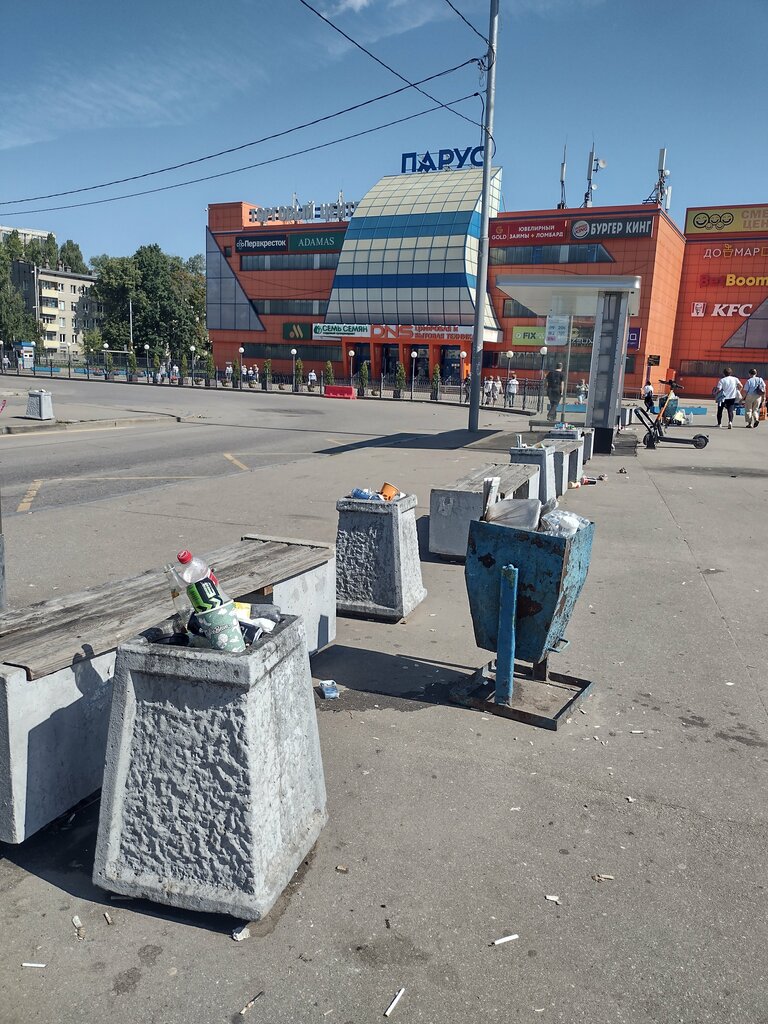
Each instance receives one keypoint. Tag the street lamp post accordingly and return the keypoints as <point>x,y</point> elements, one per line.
<point>414,354</point>
<point>192,349</point>
<point>241,350</point>
<point>462,356</point>
<point>351,354</point>
<point>509,354</point>
<point>105,346</point>
<point>146,359</point>
<point>293,369</point>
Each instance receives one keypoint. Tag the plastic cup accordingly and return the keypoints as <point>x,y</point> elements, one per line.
<point>221,628</point>
<point>388,491</point>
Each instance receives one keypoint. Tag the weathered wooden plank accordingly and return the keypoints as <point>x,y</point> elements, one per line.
<point>52,634</point>
<point>512,475</point>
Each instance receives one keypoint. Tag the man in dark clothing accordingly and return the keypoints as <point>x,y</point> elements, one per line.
<point>554,382</point>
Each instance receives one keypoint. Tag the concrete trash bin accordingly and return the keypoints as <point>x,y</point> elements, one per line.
<point>213,785</point>
<point>40,405</point>
<point>544,458</point>
<point>378,572</point>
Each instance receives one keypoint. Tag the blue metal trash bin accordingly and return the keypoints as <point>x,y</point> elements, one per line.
<point>522,588</point>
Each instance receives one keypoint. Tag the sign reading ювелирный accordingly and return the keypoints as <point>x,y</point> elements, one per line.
<point>611,227</point>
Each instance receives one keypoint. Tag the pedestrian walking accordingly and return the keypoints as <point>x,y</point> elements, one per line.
<point>487,391</point>
<point>495,389</point>
<point>175,372</point>
<point>311,378</point>
<point>467,387</point>
<point>6,362</point>
<point>727,392</point>
<point>582,392</point>
<point>513,385</point>
<point>554,382</point>
<point>754,396</point>
<point>648,396</point>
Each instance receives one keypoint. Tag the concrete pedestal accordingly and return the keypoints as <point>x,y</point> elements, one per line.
<point>589,442</point>
<point>213,784</point>
<point>569,462</point>
<point>40,405</point>
<point>452,509</point>
<point>378,572</point>
<point>544,458</point>
<point>53,732</point>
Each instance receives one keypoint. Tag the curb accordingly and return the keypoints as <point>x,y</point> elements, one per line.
<point>27,428</point>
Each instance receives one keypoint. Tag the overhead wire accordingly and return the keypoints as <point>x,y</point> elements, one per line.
<point>469,23</point>
<point>244,145</point>
<point>382,63</point>
<point>247,167</point>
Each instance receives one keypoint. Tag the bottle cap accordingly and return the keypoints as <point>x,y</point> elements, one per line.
<point>184,557</point>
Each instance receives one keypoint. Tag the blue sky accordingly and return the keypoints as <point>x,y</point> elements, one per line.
<point>91,94</point>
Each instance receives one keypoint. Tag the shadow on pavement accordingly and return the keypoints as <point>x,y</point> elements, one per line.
<point>448,440</point>
<point>370,676</point>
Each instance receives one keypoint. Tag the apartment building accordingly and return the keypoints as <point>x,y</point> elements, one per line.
<point>61,301</point>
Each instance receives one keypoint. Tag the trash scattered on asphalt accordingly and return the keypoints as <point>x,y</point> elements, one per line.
<point>394,1002</point>
<point>554,899</point>
<point>329,689</point>
<point>250,1003</point>
<point>387,924</point>
<point>637,732</point>
<point>507,938</point>
<point>34,965</point>
<point>108,918</point>
<point>78,926</point>
<point>243,932</point>
<point>342,869</point>
<point>623,471</point>
<point>582,711</point>
<point>630,799</point>
<point>602,878</point>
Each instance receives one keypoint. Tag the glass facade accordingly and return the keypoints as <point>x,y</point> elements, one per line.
<point>410,252</point>
<point>228,308</point>
<point>529,255</point>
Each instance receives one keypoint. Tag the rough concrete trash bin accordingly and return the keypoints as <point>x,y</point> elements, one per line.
<point>39,405</point>
<point>378,572</point>
<point>213,785</point>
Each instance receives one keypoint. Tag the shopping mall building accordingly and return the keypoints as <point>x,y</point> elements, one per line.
<point>395,273</point>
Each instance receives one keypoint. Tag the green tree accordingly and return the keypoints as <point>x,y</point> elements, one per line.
<point>108,363</point>
<point>51,250</point>
<point>14,246</point>
<point>195,264</point>
<point>156,362</point>
<point>364,376</point>
<point>71,256</point>
<point>184,365</point>
<point>33,252</point>
<point>117,281</point>
<point>329,378</point>
<point>436,379</point>
<point>400,377</point>
<point>92,342</point>
<point>268,370</point>
<point>132,364</point>
<point>299,373</point>
<point>16,322</point>
<point>210,369</point>
<point>235,373</point>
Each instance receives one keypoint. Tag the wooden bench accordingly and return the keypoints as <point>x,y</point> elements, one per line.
<point>57,660</point>
<point>452,509</point>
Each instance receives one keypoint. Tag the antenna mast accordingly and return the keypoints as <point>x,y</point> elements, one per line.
<point>662,192</point>
<point>562,204</point>
<point>595,164</point>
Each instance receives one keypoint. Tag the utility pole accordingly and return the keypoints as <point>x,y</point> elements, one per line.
<point>130,320</point>
<point>482,253</point>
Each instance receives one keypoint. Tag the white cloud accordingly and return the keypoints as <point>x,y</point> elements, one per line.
<point>151,89</point>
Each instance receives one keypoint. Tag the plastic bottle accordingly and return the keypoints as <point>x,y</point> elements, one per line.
<point>202,586</point>
<point>182,605</point>
<point>365,495</point>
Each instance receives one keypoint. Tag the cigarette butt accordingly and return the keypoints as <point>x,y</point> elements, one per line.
<point>108,918</point>
<point>77,922</point>
<point>394,1002</point>
<point>638,732</point>
<point>34,965</point>
<point>507,938</point>
<point>250,1003</point>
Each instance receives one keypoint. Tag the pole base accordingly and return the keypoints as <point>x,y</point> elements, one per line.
<point>603,441</point>
<point>543,704</point>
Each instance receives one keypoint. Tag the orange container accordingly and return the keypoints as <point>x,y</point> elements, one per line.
<point>389,491</point>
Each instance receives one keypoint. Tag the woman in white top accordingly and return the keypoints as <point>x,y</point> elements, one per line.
<point>727,391</point>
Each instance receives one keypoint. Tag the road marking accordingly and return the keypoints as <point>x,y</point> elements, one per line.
<point>236,462</point>
<point>30,496</point>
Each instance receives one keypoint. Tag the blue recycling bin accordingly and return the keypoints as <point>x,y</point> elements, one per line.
<point>522,588</point>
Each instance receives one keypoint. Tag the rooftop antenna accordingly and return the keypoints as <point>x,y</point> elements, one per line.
<point>596,164</point>
<point>662,192</point>
<point>562,204</point>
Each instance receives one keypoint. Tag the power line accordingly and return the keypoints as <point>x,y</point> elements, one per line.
<point>245,145</point>
<point>469,23</point>
<point>388,67</point>
<point>248,167</point>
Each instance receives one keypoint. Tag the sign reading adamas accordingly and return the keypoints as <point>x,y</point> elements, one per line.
<point>315,242</point>
<point>611,227</point>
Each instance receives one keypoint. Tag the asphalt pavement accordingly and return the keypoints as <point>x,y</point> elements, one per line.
<point>454,826</point>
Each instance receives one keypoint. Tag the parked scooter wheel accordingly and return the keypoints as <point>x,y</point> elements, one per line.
<point>700,440</point>
<point>648,440</point>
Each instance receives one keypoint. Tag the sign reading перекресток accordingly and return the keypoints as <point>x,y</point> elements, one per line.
<point>261,243</point>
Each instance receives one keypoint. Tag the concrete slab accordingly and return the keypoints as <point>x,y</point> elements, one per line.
<point>543,458</point>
